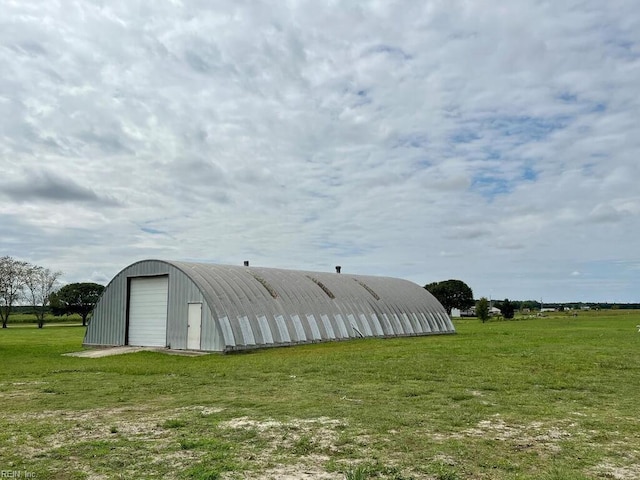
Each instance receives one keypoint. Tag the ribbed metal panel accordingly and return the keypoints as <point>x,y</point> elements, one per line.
<point>249,307</point>
<point>108,324</point>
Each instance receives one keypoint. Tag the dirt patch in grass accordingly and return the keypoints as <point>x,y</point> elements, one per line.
<point>609,470</point>
<point>311,439</point>
<point>323,429</point>
<point>534,432</point>
<point>496,427</point>
<point>291,472</point>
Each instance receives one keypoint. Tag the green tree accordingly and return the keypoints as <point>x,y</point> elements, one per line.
<point>507,309</point>
<point>482,309</point>
<point>452,294</point>
<point>77,298</point>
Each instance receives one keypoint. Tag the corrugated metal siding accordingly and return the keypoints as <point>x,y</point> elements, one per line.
<point>249,307</point>
<point>108,324</point>
<point>312,306</point>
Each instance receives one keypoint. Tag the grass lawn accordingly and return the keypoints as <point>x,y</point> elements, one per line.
<point>542,398</point>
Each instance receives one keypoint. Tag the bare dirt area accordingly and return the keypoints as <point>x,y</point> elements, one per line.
<point>609,470</point>
<point>536,435</point>
<point>290,472</point>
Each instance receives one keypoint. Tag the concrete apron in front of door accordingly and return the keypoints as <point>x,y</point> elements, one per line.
<point>106,352</point>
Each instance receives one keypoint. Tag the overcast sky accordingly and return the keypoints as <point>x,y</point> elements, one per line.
<point>493,142</point>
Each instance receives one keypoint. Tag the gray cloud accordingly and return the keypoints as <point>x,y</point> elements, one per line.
<point>380,136</point>
<point>604,214</point>
<point>45,186</point>
<point>469,233</point>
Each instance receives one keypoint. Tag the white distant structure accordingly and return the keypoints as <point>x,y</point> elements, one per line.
<point>471,312</point>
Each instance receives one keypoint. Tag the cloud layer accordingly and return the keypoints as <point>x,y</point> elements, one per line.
<point>426,140</point>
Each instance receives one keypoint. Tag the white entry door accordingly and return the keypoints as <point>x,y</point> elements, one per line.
<point>148,311</point>
<point>194,326</point>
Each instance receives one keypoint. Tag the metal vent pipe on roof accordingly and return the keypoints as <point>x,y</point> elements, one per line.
<point>338,268</point>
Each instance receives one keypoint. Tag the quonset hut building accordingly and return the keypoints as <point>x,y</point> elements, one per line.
<point>222,308</point>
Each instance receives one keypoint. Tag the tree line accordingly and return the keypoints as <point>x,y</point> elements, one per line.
<point>457,294</point>
<point>24,283</point>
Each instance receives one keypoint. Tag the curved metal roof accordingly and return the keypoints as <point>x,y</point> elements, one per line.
<point>257,306</point>
<point>251,307</point>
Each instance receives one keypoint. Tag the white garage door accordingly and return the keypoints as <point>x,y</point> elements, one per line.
<point>148,311</point>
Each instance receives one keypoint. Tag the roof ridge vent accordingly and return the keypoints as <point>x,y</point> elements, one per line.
<point>322,286</point>
<point>368,289</point>
<point>265,284</point>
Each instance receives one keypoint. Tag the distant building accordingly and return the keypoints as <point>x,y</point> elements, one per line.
<point>471,312</point>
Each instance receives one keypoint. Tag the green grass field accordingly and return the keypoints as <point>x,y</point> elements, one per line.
<point>543,398</point>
